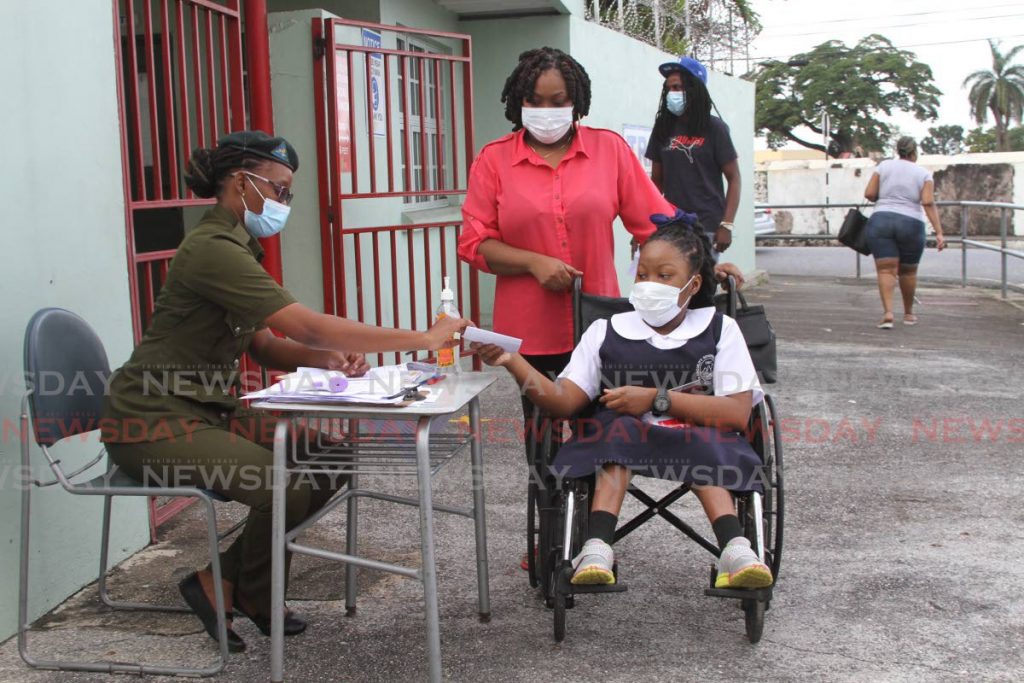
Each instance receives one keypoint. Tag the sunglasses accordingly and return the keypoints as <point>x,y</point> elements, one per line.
<point>284,195</point>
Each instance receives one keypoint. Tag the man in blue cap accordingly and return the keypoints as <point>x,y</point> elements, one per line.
<point>691,151</point>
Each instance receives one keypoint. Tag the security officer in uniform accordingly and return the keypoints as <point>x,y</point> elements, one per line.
<point>172,412</point>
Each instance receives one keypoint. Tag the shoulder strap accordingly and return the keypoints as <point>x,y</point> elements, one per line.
<point>716,327</point>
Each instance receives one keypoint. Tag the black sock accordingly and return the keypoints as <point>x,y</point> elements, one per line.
<point>602,525</point>
<point>726,528</point>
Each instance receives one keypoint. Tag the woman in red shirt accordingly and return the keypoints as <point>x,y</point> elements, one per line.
<point>541,203</point>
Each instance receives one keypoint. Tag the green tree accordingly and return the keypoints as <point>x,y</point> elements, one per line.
<point>855,85</point>
<point>944,140</point>
<point>638,20</point>
<point>984,140</point>
<point>999,90</point>
<point>1015,139</point>
<point>979,140</point>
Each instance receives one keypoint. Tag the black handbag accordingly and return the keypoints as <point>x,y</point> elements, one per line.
<point>854,232</point>
<point>757,331</point>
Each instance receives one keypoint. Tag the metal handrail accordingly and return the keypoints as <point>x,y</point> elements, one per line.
<point>964,204</point>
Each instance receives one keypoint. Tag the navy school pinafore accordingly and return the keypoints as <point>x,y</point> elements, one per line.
<point>693,454</point>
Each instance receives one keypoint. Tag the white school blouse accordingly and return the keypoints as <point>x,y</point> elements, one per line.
<point>734,371</point>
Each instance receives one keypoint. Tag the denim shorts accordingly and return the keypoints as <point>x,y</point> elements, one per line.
<point>893,235</point>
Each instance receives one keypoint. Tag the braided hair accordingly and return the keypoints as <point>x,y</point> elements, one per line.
<point>696,118</point>
<point>692,243</point>
<point>210,167</point>
<point>532,63</point>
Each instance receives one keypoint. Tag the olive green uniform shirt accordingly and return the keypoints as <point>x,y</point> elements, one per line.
<point>185,375</point>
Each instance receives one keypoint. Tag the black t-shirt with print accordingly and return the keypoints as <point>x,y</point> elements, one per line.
<point>692,169</point>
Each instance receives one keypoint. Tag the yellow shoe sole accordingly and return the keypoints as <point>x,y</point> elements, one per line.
<point>754,576</point>
<point>593,576</point>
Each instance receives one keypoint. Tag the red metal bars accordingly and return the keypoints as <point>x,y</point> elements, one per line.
<point>211,92</point>
<point>197,80</point>
<point>154,110</point>
<point>186,125</point>
<point>349,165</point>
<point>172,147</point>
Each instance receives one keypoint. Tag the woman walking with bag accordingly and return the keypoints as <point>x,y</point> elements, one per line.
<point>904,193</point>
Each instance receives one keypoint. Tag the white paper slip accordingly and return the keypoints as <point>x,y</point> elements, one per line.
<point>475,334</point>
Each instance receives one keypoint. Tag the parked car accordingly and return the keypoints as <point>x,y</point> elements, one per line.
<point>764,224</point>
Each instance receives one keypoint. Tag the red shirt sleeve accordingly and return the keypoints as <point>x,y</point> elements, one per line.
<point>639,197</point>
<point>479,212</point>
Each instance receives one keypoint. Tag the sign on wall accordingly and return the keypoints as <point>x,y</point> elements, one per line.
<point>637,138</point>
<point>372,39</point>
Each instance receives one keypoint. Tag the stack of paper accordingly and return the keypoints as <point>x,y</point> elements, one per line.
<point>381,386</point>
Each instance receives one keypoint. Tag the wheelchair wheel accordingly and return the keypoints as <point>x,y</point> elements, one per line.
<point>559,601</point>
<point>532,532</point>
<point>753,613</point>
<point>774,503</point>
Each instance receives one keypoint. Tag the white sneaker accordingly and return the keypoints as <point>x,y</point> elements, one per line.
<point>739,567</point>
<point>594,564</point>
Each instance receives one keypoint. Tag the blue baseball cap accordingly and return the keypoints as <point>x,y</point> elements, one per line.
<point>689,64</point>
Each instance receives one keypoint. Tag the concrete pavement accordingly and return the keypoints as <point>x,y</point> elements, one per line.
<point>903,536</point>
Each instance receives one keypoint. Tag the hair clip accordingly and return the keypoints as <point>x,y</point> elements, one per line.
<point>661,220</point>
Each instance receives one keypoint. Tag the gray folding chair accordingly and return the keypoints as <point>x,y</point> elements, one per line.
<point>64,349</point>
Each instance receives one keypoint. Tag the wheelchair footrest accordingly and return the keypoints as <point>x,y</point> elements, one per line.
<point>758,594</point>
<point>607,588</point>
<point>566,587</point>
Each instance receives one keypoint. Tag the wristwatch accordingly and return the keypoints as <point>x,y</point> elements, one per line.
<point>661,403</point>
<point>727,225</point>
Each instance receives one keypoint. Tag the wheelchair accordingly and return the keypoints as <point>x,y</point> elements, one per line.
<point>558,509</point>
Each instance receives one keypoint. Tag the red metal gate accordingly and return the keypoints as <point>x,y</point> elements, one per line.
<point>180,86</point>
<point>394,122</point>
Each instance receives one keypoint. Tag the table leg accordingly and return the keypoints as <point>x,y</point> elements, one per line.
<point>479,512</point>
<point>277,578</point>
<point>429,570</point>
<point>351,534</point>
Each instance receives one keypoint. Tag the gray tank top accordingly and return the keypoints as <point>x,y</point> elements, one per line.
<point>899,188</point>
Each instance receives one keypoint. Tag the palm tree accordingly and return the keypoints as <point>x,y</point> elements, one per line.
<point>1000,91</point>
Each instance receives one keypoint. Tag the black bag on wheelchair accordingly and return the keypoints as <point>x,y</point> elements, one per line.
<point>757,332</point>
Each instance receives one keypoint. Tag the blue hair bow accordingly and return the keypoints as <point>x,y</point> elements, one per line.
<point>660,219</point>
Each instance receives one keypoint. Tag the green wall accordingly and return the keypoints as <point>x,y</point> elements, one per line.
<point>64,245</point>
<point>625,89</point>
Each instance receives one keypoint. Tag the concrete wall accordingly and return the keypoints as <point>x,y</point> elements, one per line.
<point>979,177</point>
<point>63,228</point>
<point>626,86</point>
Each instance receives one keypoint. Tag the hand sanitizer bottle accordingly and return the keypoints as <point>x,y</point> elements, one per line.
<point>447,358</point>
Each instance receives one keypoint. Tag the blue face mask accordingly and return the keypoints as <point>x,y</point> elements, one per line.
<point>675,101</point>
<point>268,223</point>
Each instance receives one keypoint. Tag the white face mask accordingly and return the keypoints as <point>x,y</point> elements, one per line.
<point>270,221</point>
<point>547,125</point>
<point>675,100</point>
<point>656,303</point>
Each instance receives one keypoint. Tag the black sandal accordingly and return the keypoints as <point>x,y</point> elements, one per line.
<point>195,597</point>
<point>293,624</point>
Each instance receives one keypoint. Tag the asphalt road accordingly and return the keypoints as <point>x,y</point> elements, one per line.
<point>903,537</point>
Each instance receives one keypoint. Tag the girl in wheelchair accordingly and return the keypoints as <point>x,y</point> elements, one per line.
<point>625,367</point>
